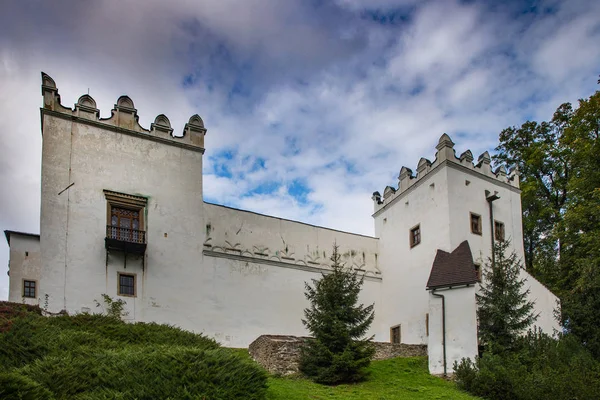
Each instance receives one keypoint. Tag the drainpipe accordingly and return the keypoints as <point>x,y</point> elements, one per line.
<point>443,326</point>
<point>490,199</point>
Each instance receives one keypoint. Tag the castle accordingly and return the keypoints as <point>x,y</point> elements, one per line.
<point>122,213</point>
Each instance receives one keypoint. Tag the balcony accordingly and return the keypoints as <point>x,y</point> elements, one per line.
<point>130,241</point>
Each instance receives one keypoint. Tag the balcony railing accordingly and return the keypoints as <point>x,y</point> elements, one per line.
<point>125,239</point>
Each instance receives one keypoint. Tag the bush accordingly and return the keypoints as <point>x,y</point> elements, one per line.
<point>100,357</point>
<point>14,386</point>
<point>540,368</point>
<point>151,373</point>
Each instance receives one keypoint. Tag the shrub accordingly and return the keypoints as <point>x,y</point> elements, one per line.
<point>151,373</point>
<point>540,368</point>
<point>101,357</point>
<point>14,386</point>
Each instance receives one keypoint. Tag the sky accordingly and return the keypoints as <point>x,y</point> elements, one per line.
<point>310,105</point>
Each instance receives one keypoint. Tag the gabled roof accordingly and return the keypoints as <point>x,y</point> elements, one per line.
<point>452,269</point>
<point>8,233</point>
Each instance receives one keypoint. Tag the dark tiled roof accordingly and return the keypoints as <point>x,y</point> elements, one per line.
<point>8,233</point>
<point>452,269</point>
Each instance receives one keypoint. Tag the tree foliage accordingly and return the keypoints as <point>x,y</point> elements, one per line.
<point>540,368</point>
<point>503,309</point>
<point>338,351</point>
<point>559,163</point>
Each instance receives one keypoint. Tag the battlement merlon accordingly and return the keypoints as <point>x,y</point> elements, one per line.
<point>124,118</point>
<point>446,155</point>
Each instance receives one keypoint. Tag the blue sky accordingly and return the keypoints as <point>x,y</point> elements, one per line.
<point>310,105</point>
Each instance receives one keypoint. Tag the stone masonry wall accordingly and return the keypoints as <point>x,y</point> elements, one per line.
<point>279,354</point>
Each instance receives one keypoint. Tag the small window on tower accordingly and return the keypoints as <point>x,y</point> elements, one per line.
<point>127,285</point>
<point>395,334</point>
<point>476,224</point>
<point>415,236</point>
<point>499,231</point>
<point>29,288</point>
<point>478,271</point>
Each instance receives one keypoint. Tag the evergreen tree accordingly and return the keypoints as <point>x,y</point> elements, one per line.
<point>503,309</point>
<point>338,351</point>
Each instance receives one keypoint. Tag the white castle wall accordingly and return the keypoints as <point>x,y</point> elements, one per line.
<point>467,194</point>
<point>461,328</point>
<point>211,269</point>
<point>25,263</point>
<point>406,269</point>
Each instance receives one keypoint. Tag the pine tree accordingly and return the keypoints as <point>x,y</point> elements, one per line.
<point>503,309</point>
<point>337,351</point>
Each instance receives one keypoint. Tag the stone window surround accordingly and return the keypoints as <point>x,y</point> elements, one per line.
<point>34,287</point>
<point>479,230</point>
<point>414,235</point>
<point>499,232</point>
<point>128,201</point>
<point>119,274</point>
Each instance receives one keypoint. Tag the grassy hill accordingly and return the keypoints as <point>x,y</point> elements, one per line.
<point>95,357</point>
<point>395,379</point>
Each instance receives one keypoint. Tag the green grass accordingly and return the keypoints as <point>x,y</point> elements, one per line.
<point>398,378</point>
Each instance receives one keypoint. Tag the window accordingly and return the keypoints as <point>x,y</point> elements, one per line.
<point>415,236</point>
<point>29,288</point>
<point>427,324</point>
<point>478,271</point>
<point>125,224</point>
<point>499,231</point>
<point>476,224</point>
<point>125,220</point>
<point>126,284</point>
<point>395,334</point>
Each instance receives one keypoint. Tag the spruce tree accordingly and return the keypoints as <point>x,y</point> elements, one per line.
<point>337,351</point>
<point>503,309</point>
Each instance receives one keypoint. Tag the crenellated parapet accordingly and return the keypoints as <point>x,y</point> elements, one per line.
<point>124,118</point>
<point>446,154</point>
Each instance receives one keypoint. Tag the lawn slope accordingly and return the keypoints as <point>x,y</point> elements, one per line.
<point>398,378</point>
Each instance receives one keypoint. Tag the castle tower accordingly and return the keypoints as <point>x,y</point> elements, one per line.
<point>435,232</point>
<point>121,206</point>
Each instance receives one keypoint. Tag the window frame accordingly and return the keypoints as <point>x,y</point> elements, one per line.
<point>24,291</point>
<point>126,202</point>
<point>479,230</point>
<point>411,236</point>
<point>392,329</point>
<point>478,271</point>
<point>502,229</point>
<point>129,274</point>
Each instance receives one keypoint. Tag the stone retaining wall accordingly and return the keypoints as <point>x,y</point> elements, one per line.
<point>279,354</point>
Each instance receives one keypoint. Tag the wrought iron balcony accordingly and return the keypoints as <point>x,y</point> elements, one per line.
<point>129,240</point>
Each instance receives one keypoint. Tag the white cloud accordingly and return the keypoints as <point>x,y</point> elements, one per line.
<point>324,96</point>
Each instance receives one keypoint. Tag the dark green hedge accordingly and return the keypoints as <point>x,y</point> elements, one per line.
<point>97,357</point>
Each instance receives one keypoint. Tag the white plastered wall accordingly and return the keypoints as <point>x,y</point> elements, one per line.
<point>405,269</point>
<point>76,269</point>
<point>233,300</point>
<point>466,198</point>
<point>461,328</point>
<point>24,263</point>
<point>259,265</point>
